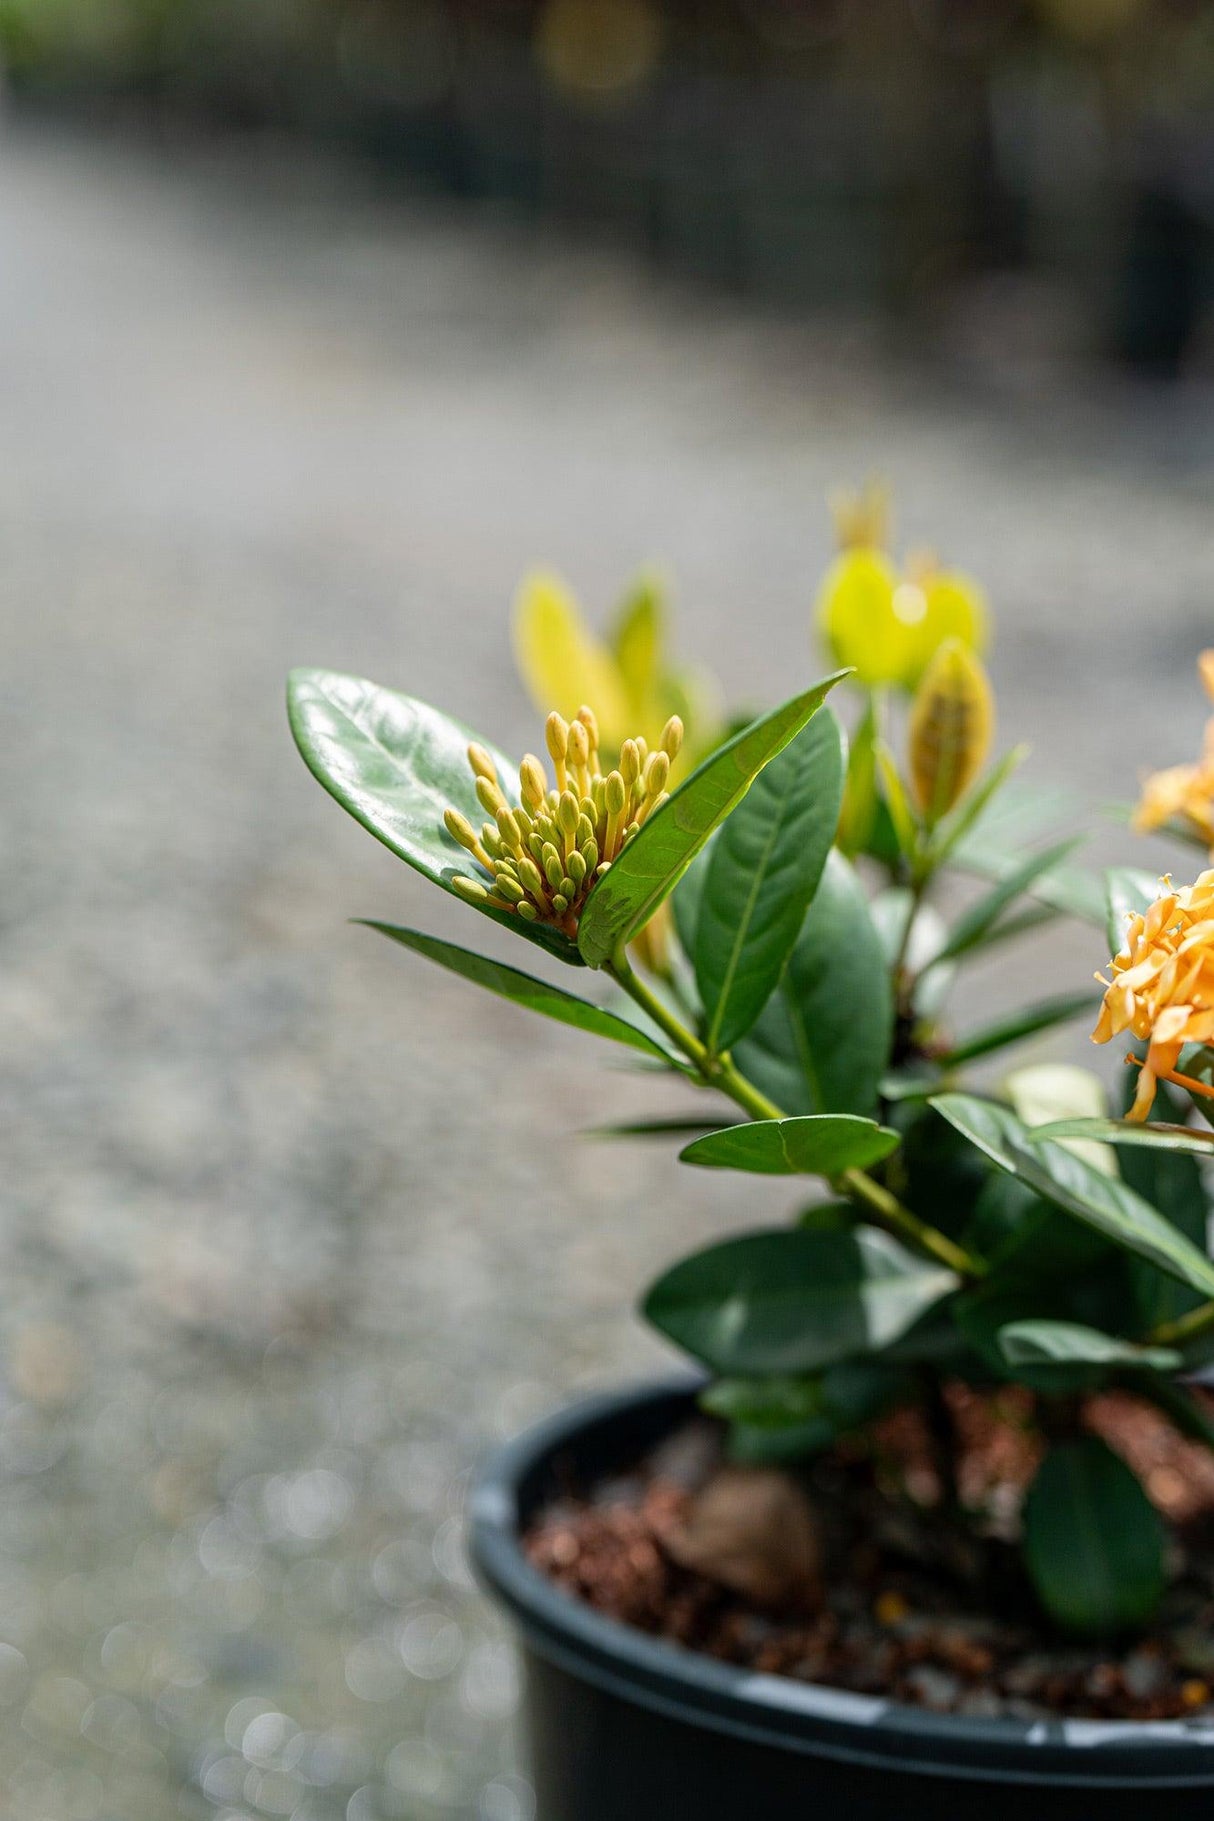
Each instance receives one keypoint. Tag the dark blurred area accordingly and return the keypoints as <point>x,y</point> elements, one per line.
<point>857,155</point>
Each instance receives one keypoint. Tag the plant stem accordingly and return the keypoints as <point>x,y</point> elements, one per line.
<point>897,1218</point>
<point>1185,1328</point>
<point>720,1072</point>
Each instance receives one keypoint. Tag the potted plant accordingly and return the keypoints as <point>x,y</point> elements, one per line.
<point>926,1527</point>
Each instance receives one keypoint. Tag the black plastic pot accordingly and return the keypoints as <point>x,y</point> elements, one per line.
<point>623,1727</point>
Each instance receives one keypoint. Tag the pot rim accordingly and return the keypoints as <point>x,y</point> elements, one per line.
<point>776,1710</point>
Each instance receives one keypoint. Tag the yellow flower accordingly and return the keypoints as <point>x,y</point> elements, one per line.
<point>885,623</point>
<point>1162,990</point>
<point>540,857</point>
<point>1184,793</point>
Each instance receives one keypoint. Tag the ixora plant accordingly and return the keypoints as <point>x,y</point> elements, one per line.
<point>987,1238</point>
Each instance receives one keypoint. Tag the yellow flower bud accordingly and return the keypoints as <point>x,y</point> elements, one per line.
<point>616,794</point>
<point>951,726</point>
<point>672,737</point>
<point>533,783</point>
<point>491,798</point>
<point>531,877</point>
<point>556,733</point>
<point>471,889</point>
<point>482,765</point>
<point>630,763</point>
<point>656,773</point>
<point>589,720</point>
<point>460,829</point>
<point>567,813</point>
<point>578,748</point>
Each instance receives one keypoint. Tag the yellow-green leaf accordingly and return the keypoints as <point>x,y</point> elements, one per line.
<point>561,661</point>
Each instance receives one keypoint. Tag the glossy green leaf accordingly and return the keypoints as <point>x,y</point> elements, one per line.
<point>1152,1136</point>
<point>396,765</point>
<point>1093,1542</point>
<point>522,989</point>
<point>1173,1182</point>
<point>1127,889</point>
<point>1027,1023</point>
<point>822,1144</point>
<point>1101,1202</point>
<point>658,855</point>
<point>1019,1290</point>
<point>765,867</point>
<point>975,923</point>
<point>688,895</point>
<point>1058,1347</point>
<point>789,1301</point>
<point>822,1043</point>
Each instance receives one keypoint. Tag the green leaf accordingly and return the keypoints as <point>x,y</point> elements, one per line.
<point>1027,1023</point>
<point>1020,1233</point>
<point>1127,889</point>
<point>522,989</point>
<point>1046,1092</point>
<point>788,1301</point>
<point>901,816</point>
<point>765,867</point>
<point>822,1144</point>
<point>822,1043</point>
<point>1065,891</point>
<point>658,855</point>
<point>1171,1181</point>
<point>1100,1201</point>
<point>1020,1290</point>
<point>688,895</point>
<point>1154,1137</point>
<point>396,765</point>
<point>975,923</point>
<point>1067,1356</point>
<point>636,641</point>
<point>765,1403</point>
<point>858,816</point>
<point>762,1411</point>
<point>1093,1542</point>
<point>971,810</point>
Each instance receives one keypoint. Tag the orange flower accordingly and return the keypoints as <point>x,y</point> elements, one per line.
<point>1162,990</point>
<point>1184,793</point>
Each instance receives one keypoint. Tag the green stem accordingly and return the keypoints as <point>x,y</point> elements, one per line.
<point>1185,1328</point>
<point>897,1218</point>
<point>719,1072</point>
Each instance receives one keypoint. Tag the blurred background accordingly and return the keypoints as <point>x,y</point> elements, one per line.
<point>319,324</point>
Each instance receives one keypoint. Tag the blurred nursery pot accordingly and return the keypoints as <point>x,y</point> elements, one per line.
<point>620,1725</point>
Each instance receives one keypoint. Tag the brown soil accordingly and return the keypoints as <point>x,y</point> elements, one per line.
<point>903,1602</point>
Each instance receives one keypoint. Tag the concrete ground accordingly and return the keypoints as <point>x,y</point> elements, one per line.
<point>292,1226</point>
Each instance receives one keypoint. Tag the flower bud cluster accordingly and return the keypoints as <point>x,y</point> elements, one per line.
<point>541,856</point>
